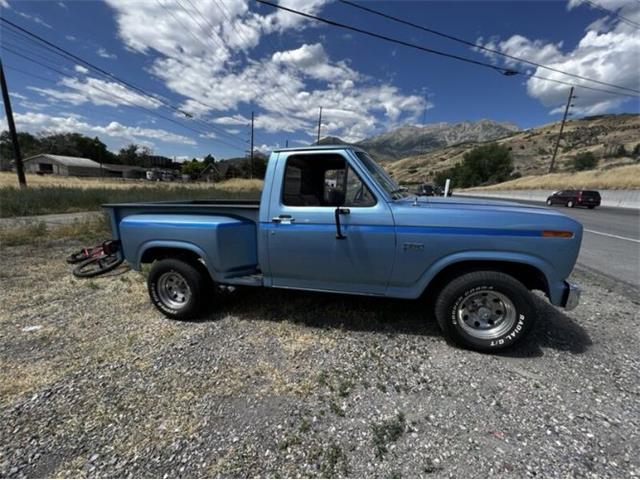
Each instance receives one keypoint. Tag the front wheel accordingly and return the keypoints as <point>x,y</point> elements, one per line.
<point>591,207</point>
<point>485,311</point>
<point>549,202</point>
<point>570,204</point>
<point>176,288</point>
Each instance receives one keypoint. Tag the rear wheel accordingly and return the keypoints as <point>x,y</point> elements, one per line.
<point>591,207</point>
<point>485,311</point>
<point>177,288</point>
<point>570,204</point>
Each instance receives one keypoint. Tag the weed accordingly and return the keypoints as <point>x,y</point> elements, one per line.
<point>344,387</point>
<point>387,432</point>
<point>305,426</point>
<point>335,408</point>
<point>335,462</point>
<point>93,285</point>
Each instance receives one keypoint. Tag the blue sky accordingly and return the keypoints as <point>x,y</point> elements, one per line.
<point>219,60</point>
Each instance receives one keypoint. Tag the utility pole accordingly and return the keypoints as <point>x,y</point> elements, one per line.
<point>12,129</point>
<point>319,124</point>
<point>251,157</point>
<point>286,145</point>
<point>564,119</point>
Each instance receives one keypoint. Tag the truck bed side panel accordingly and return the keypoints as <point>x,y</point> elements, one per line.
<point>226,244</point>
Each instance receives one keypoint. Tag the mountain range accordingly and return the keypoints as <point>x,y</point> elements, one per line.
<point>410,140</point>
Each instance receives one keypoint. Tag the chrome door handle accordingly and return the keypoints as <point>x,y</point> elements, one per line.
<point>283,219</point>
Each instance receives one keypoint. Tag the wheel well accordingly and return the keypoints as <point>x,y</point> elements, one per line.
<point>529,276</point>
<point>159,253</point>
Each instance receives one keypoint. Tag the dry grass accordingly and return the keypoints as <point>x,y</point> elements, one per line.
<point>619,178</point>
<point>93,229</point>
<point>9,179</point>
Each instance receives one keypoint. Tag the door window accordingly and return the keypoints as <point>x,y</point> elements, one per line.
<point>323,180</point>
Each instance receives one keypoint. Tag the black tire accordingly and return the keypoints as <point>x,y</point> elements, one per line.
<point>97,265</point>
<point>570,204</point>
<point>159,291</point>
<point>591,207</point>
<point>496,284</point>
<point>549,202</point>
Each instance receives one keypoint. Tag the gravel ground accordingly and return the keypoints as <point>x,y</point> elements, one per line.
<point>95,383</point>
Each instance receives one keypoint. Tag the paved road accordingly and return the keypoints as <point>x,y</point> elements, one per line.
<point>611,241</point>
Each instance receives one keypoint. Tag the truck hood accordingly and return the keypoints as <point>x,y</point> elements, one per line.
<point>480,213</point>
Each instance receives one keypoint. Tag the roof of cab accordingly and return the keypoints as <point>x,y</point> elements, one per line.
<point>318,147</point>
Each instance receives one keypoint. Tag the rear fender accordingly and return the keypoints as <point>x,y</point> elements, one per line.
<point>174,245</point>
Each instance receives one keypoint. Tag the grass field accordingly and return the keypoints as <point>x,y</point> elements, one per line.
<point>62,195</point>
<point>619,178</point>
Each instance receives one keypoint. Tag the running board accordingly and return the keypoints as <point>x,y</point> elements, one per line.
<point>252,280</point>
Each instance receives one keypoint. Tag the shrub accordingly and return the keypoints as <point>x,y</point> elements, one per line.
<point>584,161</point>
<point>483,165</point>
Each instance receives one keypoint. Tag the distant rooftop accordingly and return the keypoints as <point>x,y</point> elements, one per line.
<point>67,161</point>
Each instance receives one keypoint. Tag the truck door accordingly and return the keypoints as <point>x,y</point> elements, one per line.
<point>303,246</point>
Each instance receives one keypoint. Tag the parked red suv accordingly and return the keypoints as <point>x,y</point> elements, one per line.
<point>573,198</point>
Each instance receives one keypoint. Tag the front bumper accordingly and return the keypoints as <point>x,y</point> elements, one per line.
<point>571,296</point>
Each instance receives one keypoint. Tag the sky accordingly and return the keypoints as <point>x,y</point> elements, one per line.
<point>197,69</point>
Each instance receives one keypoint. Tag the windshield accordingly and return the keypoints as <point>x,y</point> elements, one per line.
<point>383,179</point>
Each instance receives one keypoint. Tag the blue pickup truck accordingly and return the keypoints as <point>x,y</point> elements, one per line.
<point>331,219</point>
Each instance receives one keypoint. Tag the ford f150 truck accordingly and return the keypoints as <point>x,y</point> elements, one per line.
<point>331,219</point>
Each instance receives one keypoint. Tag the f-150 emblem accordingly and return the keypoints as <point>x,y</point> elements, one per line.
<point>413,247</point>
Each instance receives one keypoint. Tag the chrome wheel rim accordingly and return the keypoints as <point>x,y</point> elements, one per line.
<point>173,290</point>
<point>486,314</point>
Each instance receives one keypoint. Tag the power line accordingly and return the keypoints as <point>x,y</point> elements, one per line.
<point>214,38</point>
<point>477,46</point>
<point>504,71</point>
<point>126,103</point>
<point>611,12</point>
<point>70,56</point>
<point>267,67</point>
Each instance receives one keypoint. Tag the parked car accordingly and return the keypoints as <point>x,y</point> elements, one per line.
<point>575,198</point>
<point>362,235</point>
<point>427,190</point>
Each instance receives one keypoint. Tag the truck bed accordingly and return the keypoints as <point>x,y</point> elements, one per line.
<point>241,209</point>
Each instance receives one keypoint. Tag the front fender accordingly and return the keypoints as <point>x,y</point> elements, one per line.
<point>555,284</point>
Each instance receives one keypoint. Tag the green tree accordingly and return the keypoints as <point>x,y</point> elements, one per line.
<point>193,168</point>
<point>584,161</point>
<point>483,165</point>
<point>621,151</point>
<point>636,151</point>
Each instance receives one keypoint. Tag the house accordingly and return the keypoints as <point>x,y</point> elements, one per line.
<point>62,165</point>
<point>45,163</point>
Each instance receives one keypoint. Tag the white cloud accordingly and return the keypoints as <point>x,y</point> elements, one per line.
<point>81,69</point>
<point>33,18</point>
<point>96,91</point>
<point>62,5</point>
<point>608,52</point>
<point>4,4</point>
<point>105,54</point>
<point>202,55</point>
<point>40,122</point>
<point>71,38</point>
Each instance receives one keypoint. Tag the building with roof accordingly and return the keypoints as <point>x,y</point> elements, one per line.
<point>46,163</point>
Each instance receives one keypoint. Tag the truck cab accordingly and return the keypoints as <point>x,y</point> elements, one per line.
<point>331,219</point>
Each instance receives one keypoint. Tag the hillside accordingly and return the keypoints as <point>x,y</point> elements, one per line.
<point>532,149</point>
<point>413,140</point>
<point>418,139</point>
